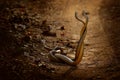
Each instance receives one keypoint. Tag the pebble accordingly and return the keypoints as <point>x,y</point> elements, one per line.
<point>93,50</point>
<point>73,41</point>
<point>40,64</point>
<point>43,54</point>
<point>65,51</point>
<point>26,54</point>
<point>72,56</point>
<point>26,45</point>
<point>92,66</point>
<point>58,51</point>
<point>20,27</point>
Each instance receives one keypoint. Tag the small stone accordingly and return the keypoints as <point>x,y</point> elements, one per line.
<point>65,51</point>
<point>40,64</point>
<point>7,9</point>
<point>74,41</point>
<point>42,53</point>
<point>72,56</point>
<point>26,46</point>
<point>58,51</point>
<point>26,54</point>
<point>20,27</point>
<point>52,71</point>
<point>93,50</point>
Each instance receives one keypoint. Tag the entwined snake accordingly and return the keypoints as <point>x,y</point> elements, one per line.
<point>80,47</point>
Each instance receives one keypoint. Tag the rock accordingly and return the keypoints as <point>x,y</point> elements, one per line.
<point>72,56</point>
<point>93,50</point>
<point>20,27</point>
<point>58,51</point>
<point>74,41</point>
<point>26,54</point>
<point>52,70</point>
<point>29,56</point>
<point>43,54</point>
<point>65,51</point>
<point>26,46</point>
<point>40,64</point>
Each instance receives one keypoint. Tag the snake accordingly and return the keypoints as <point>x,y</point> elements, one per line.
<point>80,47</point>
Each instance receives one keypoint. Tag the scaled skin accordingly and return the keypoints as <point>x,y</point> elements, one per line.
<point>80,46</point>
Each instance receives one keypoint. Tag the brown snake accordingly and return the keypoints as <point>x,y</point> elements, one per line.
<point>80,47</point>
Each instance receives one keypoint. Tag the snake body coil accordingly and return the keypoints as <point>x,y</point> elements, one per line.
<point>80,47</point>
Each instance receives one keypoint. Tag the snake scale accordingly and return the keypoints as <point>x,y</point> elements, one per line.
<point>80,47</point>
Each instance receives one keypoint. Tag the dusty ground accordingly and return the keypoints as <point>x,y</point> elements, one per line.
<point>23,56</point>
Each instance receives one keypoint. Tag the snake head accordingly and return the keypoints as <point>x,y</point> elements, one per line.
<point>84,13</point>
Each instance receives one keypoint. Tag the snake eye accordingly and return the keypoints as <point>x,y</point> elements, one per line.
<point>85,13</point>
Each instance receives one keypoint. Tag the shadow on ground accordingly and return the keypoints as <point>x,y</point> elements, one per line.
<point>110,15</point>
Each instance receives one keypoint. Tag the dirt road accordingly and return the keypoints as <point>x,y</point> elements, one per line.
<point>101,51</point>
<point>99,60</point>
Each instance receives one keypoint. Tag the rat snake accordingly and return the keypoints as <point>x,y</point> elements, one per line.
<point>80,47</point>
